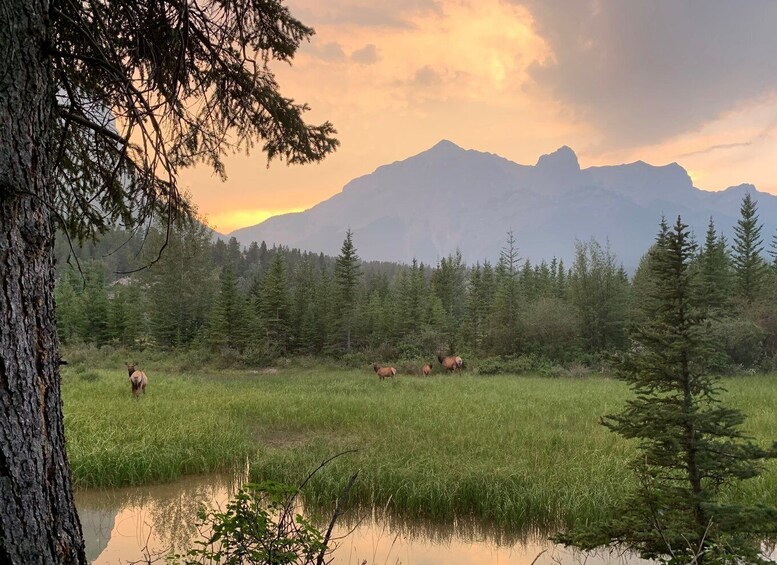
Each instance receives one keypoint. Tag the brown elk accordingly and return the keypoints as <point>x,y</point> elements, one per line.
<point>426,369</point>
<point>450,363</point>
<point>384,372</point>
<point>137,379</point>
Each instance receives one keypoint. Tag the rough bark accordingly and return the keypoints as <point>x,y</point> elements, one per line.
<point>38,519</point>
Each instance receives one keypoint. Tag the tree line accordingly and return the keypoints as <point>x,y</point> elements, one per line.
<point>258,303</point>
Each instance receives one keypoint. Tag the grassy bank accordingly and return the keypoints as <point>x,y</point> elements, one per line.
<point>511,450</point>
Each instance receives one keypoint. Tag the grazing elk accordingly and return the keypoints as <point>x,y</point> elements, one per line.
<point>384,372</point>
<point>137,379</point>
<point>426,369</point>
<point>450,363</point>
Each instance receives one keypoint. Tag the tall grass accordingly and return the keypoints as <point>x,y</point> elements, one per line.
<point>515,451</point>
<point>177,428</point>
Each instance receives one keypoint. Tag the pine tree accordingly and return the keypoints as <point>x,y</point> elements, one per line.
<point>372,320</point>
<point>773,252</point>
<point>543,280</point>
<point>643,285</point>
<point>474,315</point>
<point>137,313</point>
<point>181,285</point>
<point>481,292</point>
<point>95,314</point>
<point>119,320</point>
<point>376,323</point>
<point>511,281</point>
<point>347,273</point>
<point>234,256</point>
<point>749,266</point>
<point>416,296</point>
<point>325,319</point>
<point>599,292</point>
<point>561,280</point>
<point>448,285</point>
<point>689,444</point>
<point>412,298</point>
<point>229,326</point>
<point>403,305</point>
<point>252,261</point>
<point>486,304</point>
<point>274,306</point>
<point>302,329</point>
<point>715,277</point>
<point>219,253</point>
<point>70,309</point>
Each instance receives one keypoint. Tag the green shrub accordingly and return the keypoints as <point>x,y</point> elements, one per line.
<point>549,328</point>
<point>411,348</point>
<point>357,360</point>
<point>578,370</point>
<point>260,525</point>
<point>741,341</point>
<point>385,351</point>
<point>515,364</point>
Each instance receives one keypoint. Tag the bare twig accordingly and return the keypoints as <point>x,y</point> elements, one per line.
<point>69,114</point>
<point>341,502</point>
<point>323,464</point>
<point>538,556</point>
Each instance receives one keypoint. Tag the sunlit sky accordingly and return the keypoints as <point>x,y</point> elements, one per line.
<point>617,80</point>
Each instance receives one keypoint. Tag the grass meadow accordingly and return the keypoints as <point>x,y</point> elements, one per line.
<point>515,451</point>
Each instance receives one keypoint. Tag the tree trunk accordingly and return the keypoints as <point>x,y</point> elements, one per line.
<point>38,520</point>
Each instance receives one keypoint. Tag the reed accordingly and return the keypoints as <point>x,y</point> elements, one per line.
<point>517,451</point>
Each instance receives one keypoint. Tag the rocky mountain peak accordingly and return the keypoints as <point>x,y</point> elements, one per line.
<point>448,198</point>
<point>562,159</point>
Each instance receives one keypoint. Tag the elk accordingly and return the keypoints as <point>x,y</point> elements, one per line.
<point>451,363</point>
<point>426,369</point>
<point>137,379</point>
<point>384,372</point>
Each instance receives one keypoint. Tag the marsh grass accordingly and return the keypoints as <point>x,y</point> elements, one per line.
<point>176,428</point>
<point>518,452</point>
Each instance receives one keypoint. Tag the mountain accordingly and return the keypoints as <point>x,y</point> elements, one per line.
<point>449,198</point>
<point>215,236</point>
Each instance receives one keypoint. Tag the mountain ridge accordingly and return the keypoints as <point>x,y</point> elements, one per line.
<point>447,198</point>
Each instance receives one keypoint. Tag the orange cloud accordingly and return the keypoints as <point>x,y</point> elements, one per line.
<point>731,149</point>
<point>395,78</point>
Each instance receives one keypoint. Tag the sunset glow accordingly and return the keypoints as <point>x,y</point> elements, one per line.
<point>230,220</point>
<point>518,79</point>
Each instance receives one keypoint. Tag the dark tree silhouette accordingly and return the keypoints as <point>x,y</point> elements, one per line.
<point>101,103</point>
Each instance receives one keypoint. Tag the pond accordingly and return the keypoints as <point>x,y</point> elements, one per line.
<point>126,525</point>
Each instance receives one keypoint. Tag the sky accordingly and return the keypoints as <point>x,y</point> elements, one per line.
<point>692,82</point>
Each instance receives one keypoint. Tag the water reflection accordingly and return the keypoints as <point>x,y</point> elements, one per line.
<point>120,525</point>
<point>125,525</point>
<point>382,537</point>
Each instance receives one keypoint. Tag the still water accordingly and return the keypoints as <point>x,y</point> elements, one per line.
<point>122,526</point>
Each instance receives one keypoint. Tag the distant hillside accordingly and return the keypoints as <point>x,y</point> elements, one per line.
<point>445,198</point>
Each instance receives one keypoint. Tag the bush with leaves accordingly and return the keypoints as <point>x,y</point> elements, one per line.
<point>550,329</point>
<point>515,364</point>
<point>260,525</point>
<point>740,339</point>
